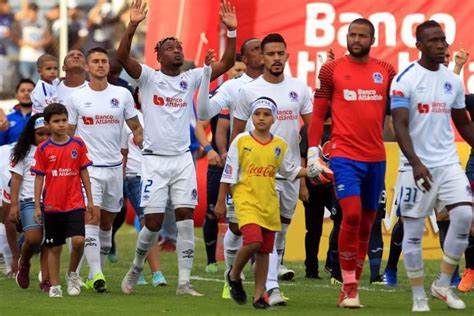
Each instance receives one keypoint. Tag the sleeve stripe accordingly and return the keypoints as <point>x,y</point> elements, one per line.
<point>86,165</point>
<point>38,172</point>
<point>399,102</point>
<point>404,72</point>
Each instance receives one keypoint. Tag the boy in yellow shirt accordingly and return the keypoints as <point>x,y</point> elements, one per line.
<point>253,160</point>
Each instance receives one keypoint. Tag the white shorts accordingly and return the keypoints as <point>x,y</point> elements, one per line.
<point>168,177</point>
<point>230,215</point>
<point>450,186</point>
<point>107,187</point>
<point>288,193</point>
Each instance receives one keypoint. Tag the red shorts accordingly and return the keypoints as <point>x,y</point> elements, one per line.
<point>253,233</point>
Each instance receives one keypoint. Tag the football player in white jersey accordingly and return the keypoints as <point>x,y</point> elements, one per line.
<point>74,66</point>
<point>168,170</point>
<point>294,101</point>
<point>97,113</point>
<point>424,98</point>
<point>226,98</point>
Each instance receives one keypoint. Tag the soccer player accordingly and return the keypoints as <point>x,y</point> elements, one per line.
<point>425,97</point>
<point>225,101</point>
<point>294,102</point>
<point>63,160</point>
<point>356,85</point>
<point>253,160</point>
<point>97,113</point>
<point>74,66</point>
<point>44,92</point>
<point>167,167</point>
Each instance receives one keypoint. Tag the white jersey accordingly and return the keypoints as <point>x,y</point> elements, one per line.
<point>63,92</point>
<point>292,98</point>
<point>5,155</point>
<point>23,168</point>
<point>227,95</point>
<point>167,104</point>
<point>134,157</point>
<point>43,95</point>
<point>429,96</point>
<point>99,117</point>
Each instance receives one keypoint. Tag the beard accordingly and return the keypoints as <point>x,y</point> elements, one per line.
<point>275,73</point>
<point>26,105</point>
<point>364,51</point>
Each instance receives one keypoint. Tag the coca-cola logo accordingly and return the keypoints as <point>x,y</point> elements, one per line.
<point>257,171</point>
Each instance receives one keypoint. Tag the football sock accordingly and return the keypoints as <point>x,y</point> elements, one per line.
<point>232,243</point>
<point>469,254</point>
<point>210,230</point>
<point>272,275</point>
<point>280,241</point>
<point>105,237</point>
<point>413,232</point>
<point>375,248</point>
<point>146,240</point>
<point>395,246</point>
<point>348,241</point>
<point>185,249</point>
<point>92,250</point>
<point>365,228</point>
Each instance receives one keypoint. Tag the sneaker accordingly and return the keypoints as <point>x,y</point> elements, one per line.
<point>285,274</point>
<point>113,258</point>
<point>420,305</point>
<point>466,282</point>
<point>45,285</point>
<point>275,298</point>
<point>187,289</point>
<point>314,276</point>
<point>349,297</point>
<point>447,295</point>
<point>379,280</point>
<point>23,275</point>
<point>211,267</point>
<point>390,278</point>
<point>55,291</point>
<point>226,291</point>
<point>98,283</point>
<point>261,303</point>
<point>335,281</point>
<point>73,285</point>
<point>131,279</point>
<point>158,279</point>
<point>237,292</point>
<point>141,280</point>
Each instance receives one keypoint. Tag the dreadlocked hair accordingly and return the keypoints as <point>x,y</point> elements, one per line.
<point>25,140</point>
<point>164,40</point>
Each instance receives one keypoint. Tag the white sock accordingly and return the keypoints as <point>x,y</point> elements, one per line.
<point>185,249</point>
<point>273,265</point>
<point>92,250</point>
<point>5,248</point>
<point>3,237</point>
<point>146,240</point>
<point>280,241</point>
<point>105,237</point>
<point>232,243</point>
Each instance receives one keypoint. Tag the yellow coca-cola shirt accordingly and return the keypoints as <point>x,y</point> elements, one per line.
<point>251,167</point>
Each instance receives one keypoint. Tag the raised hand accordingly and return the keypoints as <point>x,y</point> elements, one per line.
<point>461,57</point>
<point>210,57</point>
<point>228,16</point>
<point>138,11</point>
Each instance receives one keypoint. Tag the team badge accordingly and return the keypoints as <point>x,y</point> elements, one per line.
<point>277,152</point>
<point>52,158</point>
<point>448,88</point>
<point>73,154</point>
<point>293,96</point>
<point>194,194</point>
<point>114,103</point>
<point>377,76</point>
<point>228,170</point>
<point>184,85</point>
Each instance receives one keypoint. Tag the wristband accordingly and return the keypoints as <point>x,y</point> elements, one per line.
<point>231,34</point>
<point>208,148</point>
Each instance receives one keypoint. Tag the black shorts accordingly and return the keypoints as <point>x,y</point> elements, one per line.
<point>61,225</point>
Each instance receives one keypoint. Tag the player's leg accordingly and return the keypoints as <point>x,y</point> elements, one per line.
<point>375,252</point>
<point>33,233</point>
<point>11,234</point>
<point>261,269</point>
<point>210,227</point>
<point>118,222</point>
<point>76,231</point>
<point>55,228</point>
<point>335,268</point>
<point>468,276</point>
<point>396,238</point>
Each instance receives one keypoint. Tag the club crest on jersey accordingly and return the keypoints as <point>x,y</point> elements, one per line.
<point>114,103</point>
<point>74,154</point>
<point>293,96</point>
<point>184,85</point>
<point>194,194</point>
<point>377,76</point>
<point>52,158</point>
<point>228,170</point>
<point>448,88</point>
<point>277,152</point>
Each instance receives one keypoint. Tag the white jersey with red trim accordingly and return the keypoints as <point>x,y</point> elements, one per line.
<point>43,95</point>
<point>99,117</point>
<point>167,104</point>
<point>23,168</point>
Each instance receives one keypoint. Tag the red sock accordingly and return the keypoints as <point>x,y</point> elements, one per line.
<point>366,222</point>
<point>348,241</point>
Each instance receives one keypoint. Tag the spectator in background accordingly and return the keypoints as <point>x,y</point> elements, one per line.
<point>21,114</point>
<point>31,35</point>
<point>6,22</point>
<point>101,21</point>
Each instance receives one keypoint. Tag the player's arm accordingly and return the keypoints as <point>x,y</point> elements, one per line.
<point>222,129</point>
<point>464,125</point>
<point>229,18</point>
<point>401,121</point>
<point>124,153</point>
<point>39,181</point>
<point>15,185</point>
<point>207,108</point>
<point>220,208</point>
<point>86,183</point>
<point>137,130</point>
<point>460,59</point>
<point>200,132</point>
<point>138,13</point>
<point>304,192</point>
